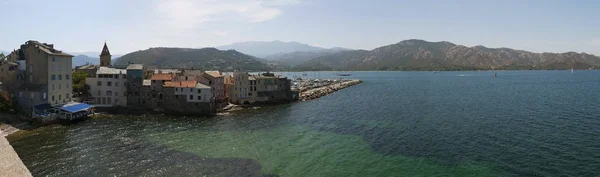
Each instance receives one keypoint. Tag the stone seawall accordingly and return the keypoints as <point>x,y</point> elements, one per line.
<point>322,91</point>
<point>10,163</point>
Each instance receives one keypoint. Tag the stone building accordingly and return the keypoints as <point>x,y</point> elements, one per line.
<point>109,87</point>
<point>188,97</point>
<point>135,74</point>
<point>239,92</point>
<point>105,57</point>
<point>216,81</point>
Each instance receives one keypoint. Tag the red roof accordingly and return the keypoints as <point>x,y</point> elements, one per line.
<point>162,77</point>
<point>181,84</point>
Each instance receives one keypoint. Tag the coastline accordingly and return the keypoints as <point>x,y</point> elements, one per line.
<point>10,162</point>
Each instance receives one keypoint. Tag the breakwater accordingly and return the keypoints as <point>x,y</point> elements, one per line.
<point>318,92</point>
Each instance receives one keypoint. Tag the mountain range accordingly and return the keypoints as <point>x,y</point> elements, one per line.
<point>204,59</point>
<point>264,49</point>
<point>417,54</point>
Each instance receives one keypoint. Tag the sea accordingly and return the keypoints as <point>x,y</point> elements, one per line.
<point>455,123</point>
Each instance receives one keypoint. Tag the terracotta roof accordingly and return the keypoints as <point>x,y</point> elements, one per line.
<point>162,77</point>
<point>214,73</point>
<point>181,84</point>
<point>51,51</point>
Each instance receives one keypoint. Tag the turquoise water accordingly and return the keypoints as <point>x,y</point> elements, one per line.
<point>522,123</point>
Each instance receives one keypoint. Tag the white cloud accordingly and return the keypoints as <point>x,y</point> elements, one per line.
<point>189,14</point>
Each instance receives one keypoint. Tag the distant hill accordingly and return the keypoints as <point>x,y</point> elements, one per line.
<point>84,59</point>
<point>94,54</point>
<point>204,59</point>
<point>423,55</point>
<point>262,49</point>
<point>296,58</point>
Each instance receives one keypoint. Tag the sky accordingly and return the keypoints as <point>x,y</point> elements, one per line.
<point>132,25</point>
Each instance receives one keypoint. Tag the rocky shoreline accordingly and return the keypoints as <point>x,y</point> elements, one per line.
<point>325,90</point>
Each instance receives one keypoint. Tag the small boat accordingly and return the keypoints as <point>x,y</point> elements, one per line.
<point>571,70</point>
<point>344,74</point>
<point>494,75</point>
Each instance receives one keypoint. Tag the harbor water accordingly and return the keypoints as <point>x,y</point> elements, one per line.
<point>520,123</point>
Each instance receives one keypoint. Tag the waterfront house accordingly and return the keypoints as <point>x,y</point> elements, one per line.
<point>135,75</point>
<point>44,76</point>
<point>109,87</point>
<point>270,88</point>
<point>217,83</point>
<point>187,97</point>
<point>239,91</point>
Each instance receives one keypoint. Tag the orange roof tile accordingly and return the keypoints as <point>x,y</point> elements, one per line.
<point>181,84</point>
<point>162,77</point>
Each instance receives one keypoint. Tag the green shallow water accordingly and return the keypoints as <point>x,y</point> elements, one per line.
<point>522,123</point>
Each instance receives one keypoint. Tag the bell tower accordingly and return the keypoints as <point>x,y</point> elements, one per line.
<point>105,56</point>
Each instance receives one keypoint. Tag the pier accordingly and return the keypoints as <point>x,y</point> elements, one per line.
<point>10,163</point>
<point>313,89</point>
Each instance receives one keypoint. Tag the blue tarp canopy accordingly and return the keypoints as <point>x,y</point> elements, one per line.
<point>76,107</point>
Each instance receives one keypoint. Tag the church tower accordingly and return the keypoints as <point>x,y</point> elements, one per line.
<point>105,56</point>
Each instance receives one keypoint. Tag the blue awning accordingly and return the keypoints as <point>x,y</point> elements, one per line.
<point>76,107</point>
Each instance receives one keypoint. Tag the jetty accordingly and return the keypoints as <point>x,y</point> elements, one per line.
<point>10,163</point>
<point>313,89</point>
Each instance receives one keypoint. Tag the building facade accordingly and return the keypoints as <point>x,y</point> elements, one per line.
<point>135,78</point>
<point>217,83</point>
<point>109,87</point>
<point>240,91</point>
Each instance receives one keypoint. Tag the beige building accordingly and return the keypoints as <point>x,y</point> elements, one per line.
<point>43,76</point>
<point>240,91</point>
<point>108,88</point>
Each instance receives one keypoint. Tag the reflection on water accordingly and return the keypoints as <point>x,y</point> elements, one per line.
<point>521,123</point>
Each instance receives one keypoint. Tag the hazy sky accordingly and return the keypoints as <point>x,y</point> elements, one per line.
<point>130,25</point>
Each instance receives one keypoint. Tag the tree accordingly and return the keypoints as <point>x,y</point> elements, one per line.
<point>79,86</point>
<point>2,56</point>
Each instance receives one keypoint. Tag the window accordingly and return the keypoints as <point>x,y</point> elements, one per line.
<point>53,77</point>
<point>108,93</point>
<point>67,96</point>
<point>116,93</point>
<point>99,93</point>
<point>59,97</point>
<point>67,77</point>
<point>44,96</point>
<point>199,98</point>
<point>31,95</point>
<point>109,100</point>
<point>124,76</point>
<point>191,90</point>
<point>116,84</point>
<point>176,96</point>
<point>99,83</point>
<point>153,81</point>
<point>191,97</point>
<point>199,91</point>
<point>53,67</point>
<point>52,97</point>
<point>209,82</point>
<point>249,94</point>
<point>109,83</point>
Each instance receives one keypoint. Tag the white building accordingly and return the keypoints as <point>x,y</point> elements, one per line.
<point>193,91</point>
<point>109,87</point>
